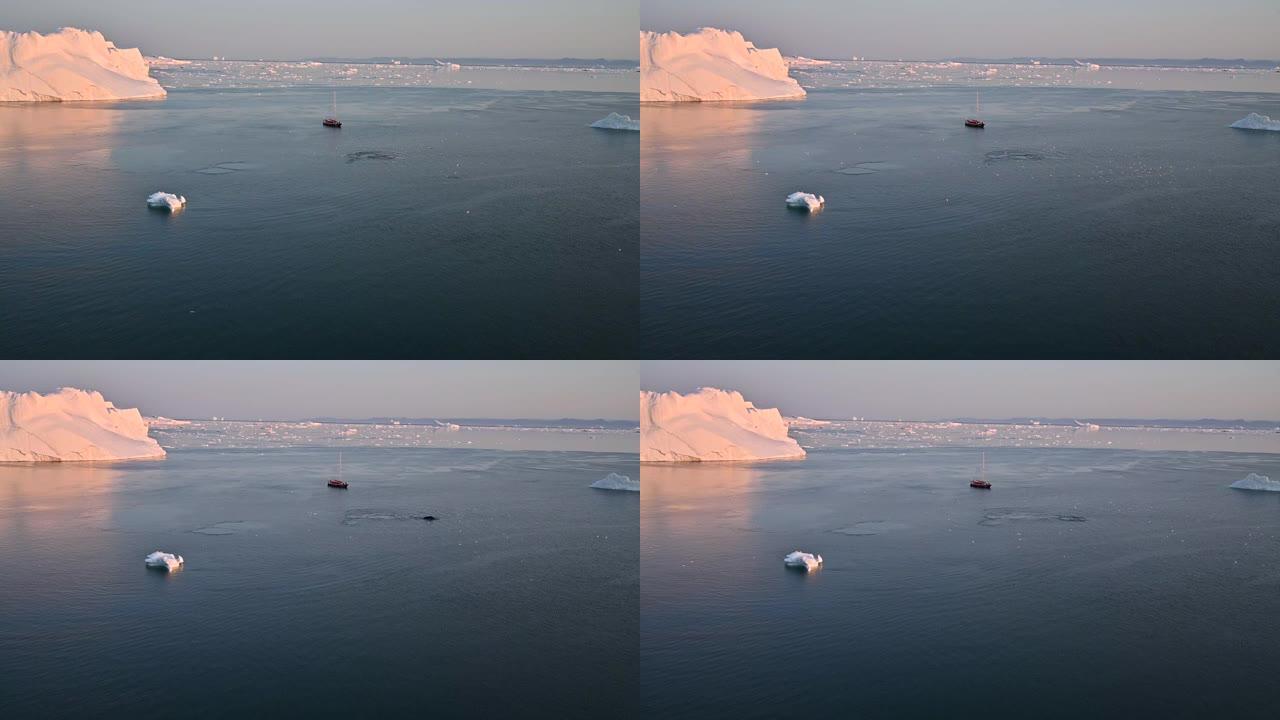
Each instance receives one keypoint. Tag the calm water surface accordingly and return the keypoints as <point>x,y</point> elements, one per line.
<point>1087,583</point>
<point>297,600</point>
<point>437,222</point>
<point>1081,223</point>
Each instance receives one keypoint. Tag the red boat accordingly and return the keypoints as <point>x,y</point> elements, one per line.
<point>338,482</point>
<point>974,122</point>
<point>980,482</point>
<point>333,121</point>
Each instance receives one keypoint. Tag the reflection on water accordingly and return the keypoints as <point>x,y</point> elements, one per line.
<point>1081,575</point>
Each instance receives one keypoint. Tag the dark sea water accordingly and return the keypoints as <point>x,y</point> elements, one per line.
<point>438,222</point>
<point>1081,222</point>
<point>296,600</point>
<point>1086,583</point>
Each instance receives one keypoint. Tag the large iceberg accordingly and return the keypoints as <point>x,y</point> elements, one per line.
<point>614,121</point>
<point>71,64</point>
<point>71,425</point>
<point>711,425</point>
<point>1254,481</point>
<point>1254,121</point>
<point>614,481</point>
<point>164,561</point>
<point>802,560</point>
<point>711,65</point>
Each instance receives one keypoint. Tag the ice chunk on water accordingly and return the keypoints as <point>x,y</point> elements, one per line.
<point>166,201</point>
<point>614,121</point>
<point>164,561</point>
<point>805,201</point>
<point>807,561</point>
<point>1254,481</point>
<point>1254,121</point>
<point>614,481</point>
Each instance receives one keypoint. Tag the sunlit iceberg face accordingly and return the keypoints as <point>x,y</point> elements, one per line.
<point>806,201</point>
<point>803,561</point>
<point>166,201</point>
<point>164,561</point>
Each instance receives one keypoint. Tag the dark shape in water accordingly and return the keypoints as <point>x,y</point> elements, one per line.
<point>369,155</point>
<point>428,517</point>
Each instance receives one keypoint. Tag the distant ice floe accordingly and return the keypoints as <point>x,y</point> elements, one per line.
<point>1254,121</point>
<point>711,425</point>
<point>164,561</point>
<point>1254,481</point>
<point>614,121</point>
<point>614,481</point>
<point>805,423</point>
<point>803,560</point>
<point>166,201</point>
<point>806,201</point>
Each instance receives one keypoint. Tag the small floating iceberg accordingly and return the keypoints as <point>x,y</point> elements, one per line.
<point>164,561</point>
<point>614,121</point>
<point>166,201</point>
<point>1254,121</point>
<point>1254,481</point>
<point>806,561</point>
<point>614,481</point>
<point>805,201</point>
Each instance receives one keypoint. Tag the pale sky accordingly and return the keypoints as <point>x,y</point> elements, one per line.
<point>928,390</point>
<point>287,390</point>
<point>926,29</point>
<point>285,29</point>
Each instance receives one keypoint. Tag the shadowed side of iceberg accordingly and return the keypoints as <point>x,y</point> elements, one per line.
<point>1254,121</point>
<point>1254,481</point>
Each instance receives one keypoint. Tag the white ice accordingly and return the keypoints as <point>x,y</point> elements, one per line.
<point>166,201</point>
<point>1254,481</point>
<point>711,65</point>
<point>70,425</point>
<point>806,201</point>
<point>614,121</point>
<point>164,561</point>
<point>805,560</point>
<point>614,481</point>
<point>71,64</point>
<point>1254,121</point>
<point>711,425</point>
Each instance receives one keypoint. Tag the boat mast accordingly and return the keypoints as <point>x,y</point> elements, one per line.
<point>340,464</point>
